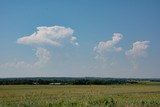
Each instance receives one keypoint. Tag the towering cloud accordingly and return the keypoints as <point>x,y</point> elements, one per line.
<point>138,50</point>
<point>54,36</point>
<point>49,36</point>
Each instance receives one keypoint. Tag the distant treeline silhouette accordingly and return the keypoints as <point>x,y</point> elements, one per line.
<point>71,81</point>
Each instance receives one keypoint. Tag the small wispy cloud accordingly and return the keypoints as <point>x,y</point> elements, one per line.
<point>138,49</point>
<point>16,64</point>
<point>43,57</point>
<point>104,47</point>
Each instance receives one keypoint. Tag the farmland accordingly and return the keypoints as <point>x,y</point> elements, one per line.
<point>132,95</point>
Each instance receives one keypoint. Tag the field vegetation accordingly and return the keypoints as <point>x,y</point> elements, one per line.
<point>128,95</point>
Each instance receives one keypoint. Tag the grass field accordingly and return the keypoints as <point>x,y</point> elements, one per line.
<point>80,95</point>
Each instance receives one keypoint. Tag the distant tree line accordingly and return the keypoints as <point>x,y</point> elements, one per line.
<point>62,81</point>
<point>100,82</point>
<point>72,81</point>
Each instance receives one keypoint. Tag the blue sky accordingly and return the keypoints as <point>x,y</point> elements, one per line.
<point>110,38</point>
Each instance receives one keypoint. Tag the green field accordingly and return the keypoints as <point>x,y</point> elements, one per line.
<point>80,95</point>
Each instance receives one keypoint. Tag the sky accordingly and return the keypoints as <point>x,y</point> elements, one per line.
<point>80,38</point>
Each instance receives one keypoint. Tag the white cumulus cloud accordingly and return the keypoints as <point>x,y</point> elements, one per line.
<point>138,50</point>
<point>53,35</point>
<point>108,46</point>
<point>49,36</point>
